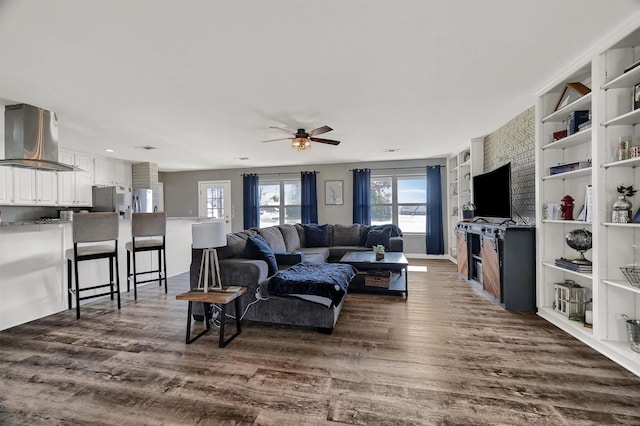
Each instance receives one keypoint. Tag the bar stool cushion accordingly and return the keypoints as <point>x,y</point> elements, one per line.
<point>153,242</point>
<point>89,250</point>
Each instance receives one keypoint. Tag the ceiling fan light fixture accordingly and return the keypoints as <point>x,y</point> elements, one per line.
<point>301,144</point>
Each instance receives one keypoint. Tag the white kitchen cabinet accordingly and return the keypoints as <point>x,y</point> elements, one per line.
<point>6,185</point>
<point>24,186</point>
<point>34,187</point>
<point>84,182</point>
<point>74,189</point>
<point>82,161</point>
<point>122,173</point>
<point>46,188</point>
<point>110,172</point>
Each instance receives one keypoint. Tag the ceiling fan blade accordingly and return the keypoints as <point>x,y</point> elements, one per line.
<point>327,141</point>
<point>280,139</point>
<point>283,129</point>
<point>320,130</point>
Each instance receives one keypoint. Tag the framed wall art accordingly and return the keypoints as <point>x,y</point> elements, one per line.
<point>636,96</point>
<point>333,192</point>
<point>571,93</point>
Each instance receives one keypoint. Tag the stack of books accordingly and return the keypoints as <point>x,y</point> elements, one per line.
<point>577,267</point>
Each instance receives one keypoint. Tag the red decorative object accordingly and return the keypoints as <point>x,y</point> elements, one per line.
<point>559,135</point>
<point>567,207</point>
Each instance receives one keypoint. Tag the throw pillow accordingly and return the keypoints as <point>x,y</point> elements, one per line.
<point>346,235</point>
<point>257,248</point>
<point>316,235</point>
<point>375,237</point>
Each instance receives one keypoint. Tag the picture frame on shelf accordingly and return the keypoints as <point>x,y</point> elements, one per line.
<point>333,192</point>
<point>636,96</point>
<point>571,93</point>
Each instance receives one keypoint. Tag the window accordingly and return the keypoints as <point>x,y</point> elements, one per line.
<point>280,202</point>
<point>401,200</point>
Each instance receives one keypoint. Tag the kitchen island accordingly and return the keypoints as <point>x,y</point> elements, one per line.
<point>33,281</point>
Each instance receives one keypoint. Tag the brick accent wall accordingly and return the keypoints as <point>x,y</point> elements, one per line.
<point>515,142</point>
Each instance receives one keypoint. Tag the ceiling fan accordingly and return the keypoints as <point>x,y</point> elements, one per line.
<point>301,139</point>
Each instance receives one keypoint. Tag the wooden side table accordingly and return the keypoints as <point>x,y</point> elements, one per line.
<point>217,298</point>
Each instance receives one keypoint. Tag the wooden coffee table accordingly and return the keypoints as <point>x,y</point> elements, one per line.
<point>365,261</point>
<point>217,298</point>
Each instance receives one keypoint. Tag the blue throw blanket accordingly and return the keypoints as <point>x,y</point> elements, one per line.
<point>328,280</point>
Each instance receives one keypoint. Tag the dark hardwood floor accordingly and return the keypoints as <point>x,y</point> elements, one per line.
<point>446,356</point>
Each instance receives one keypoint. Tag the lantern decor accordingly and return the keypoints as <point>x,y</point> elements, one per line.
<point>569,299</point>
<point>567,207</point>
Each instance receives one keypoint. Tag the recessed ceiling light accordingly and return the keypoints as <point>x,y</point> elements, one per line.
<point>147,147</point>
<point>109,150</point>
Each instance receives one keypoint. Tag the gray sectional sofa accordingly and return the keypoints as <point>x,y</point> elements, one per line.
<point>291,244</point>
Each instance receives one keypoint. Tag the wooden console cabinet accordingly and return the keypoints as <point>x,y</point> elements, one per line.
<point>499,260</point>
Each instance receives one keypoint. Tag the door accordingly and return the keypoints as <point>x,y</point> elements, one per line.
<point>491,267</point>
<point>463,254</point>
<point>214,201</point>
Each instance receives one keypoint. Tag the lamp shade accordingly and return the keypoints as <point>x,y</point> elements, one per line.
<point>209,235</point>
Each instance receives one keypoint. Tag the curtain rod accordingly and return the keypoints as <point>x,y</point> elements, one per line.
<point>394,168</point>
<point>278,174</point>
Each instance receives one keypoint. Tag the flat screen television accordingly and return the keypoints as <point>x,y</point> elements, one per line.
<point>492,193</point>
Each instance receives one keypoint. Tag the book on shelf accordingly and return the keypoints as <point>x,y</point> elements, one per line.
<point>586,213</point>
<point>576,267</point>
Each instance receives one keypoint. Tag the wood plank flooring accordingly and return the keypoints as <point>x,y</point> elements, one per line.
<point>445,356</point>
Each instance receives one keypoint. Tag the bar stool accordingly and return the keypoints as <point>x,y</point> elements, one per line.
<point>89,229</point>
<point>148,232</point>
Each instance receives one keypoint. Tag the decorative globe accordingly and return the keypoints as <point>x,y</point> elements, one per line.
<point>580,240</point>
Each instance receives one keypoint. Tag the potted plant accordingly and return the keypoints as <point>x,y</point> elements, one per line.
<point>379,251</point>
<point>468,211</point>
<point>622,207</point>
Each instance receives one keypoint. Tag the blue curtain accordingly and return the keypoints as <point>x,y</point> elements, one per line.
<point>250,200</point>
<point>434,234</point>
<point>362,196</point>
<point>309,199</point>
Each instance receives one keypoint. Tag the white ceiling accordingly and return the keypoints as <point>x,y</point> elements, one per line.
<point>203,80</point>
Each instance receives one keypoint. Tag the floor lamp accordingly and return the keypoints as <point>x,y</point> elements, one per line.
<point>207,236</point>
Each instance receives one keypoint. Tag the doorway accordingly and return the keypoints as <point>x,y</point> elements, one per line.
<point>214,201</point>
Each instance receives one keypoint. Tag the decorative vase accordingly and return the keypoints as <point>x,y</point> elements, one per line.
<point>379,255</point>
<point>621,210</point>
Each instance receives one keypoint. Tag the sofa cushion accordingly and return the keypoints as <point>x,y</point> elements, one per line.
<point>235,245</point>
<point>291,237</point>
<point>257,248</point>
<point>300,229</point>
<point>378,236</point>
<point>273,237</point>
<point>346,235</point>
<point>316,235</point>
<point>315,254</point>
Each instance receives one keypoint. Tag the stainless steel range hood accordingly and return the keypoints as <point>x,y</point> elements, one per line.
<point>31,139</point>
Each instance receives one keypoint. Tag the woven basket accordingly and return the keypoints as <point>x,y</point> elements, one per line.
<point>632,273</point>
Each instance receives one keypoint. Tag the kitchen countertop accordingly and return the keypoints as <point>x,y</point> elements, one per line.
<point>61,221</point>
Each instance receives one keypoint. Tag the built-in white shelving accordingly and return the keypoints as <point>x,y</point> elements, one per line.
<point>461,168</point>
<point>615,244</point>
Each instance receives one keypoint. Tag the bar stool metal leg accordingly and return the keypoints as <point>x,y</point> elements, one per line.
<point>135,275</point>
<point>75,266</point>
<point>117,281</point>
<point>128,270</point>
